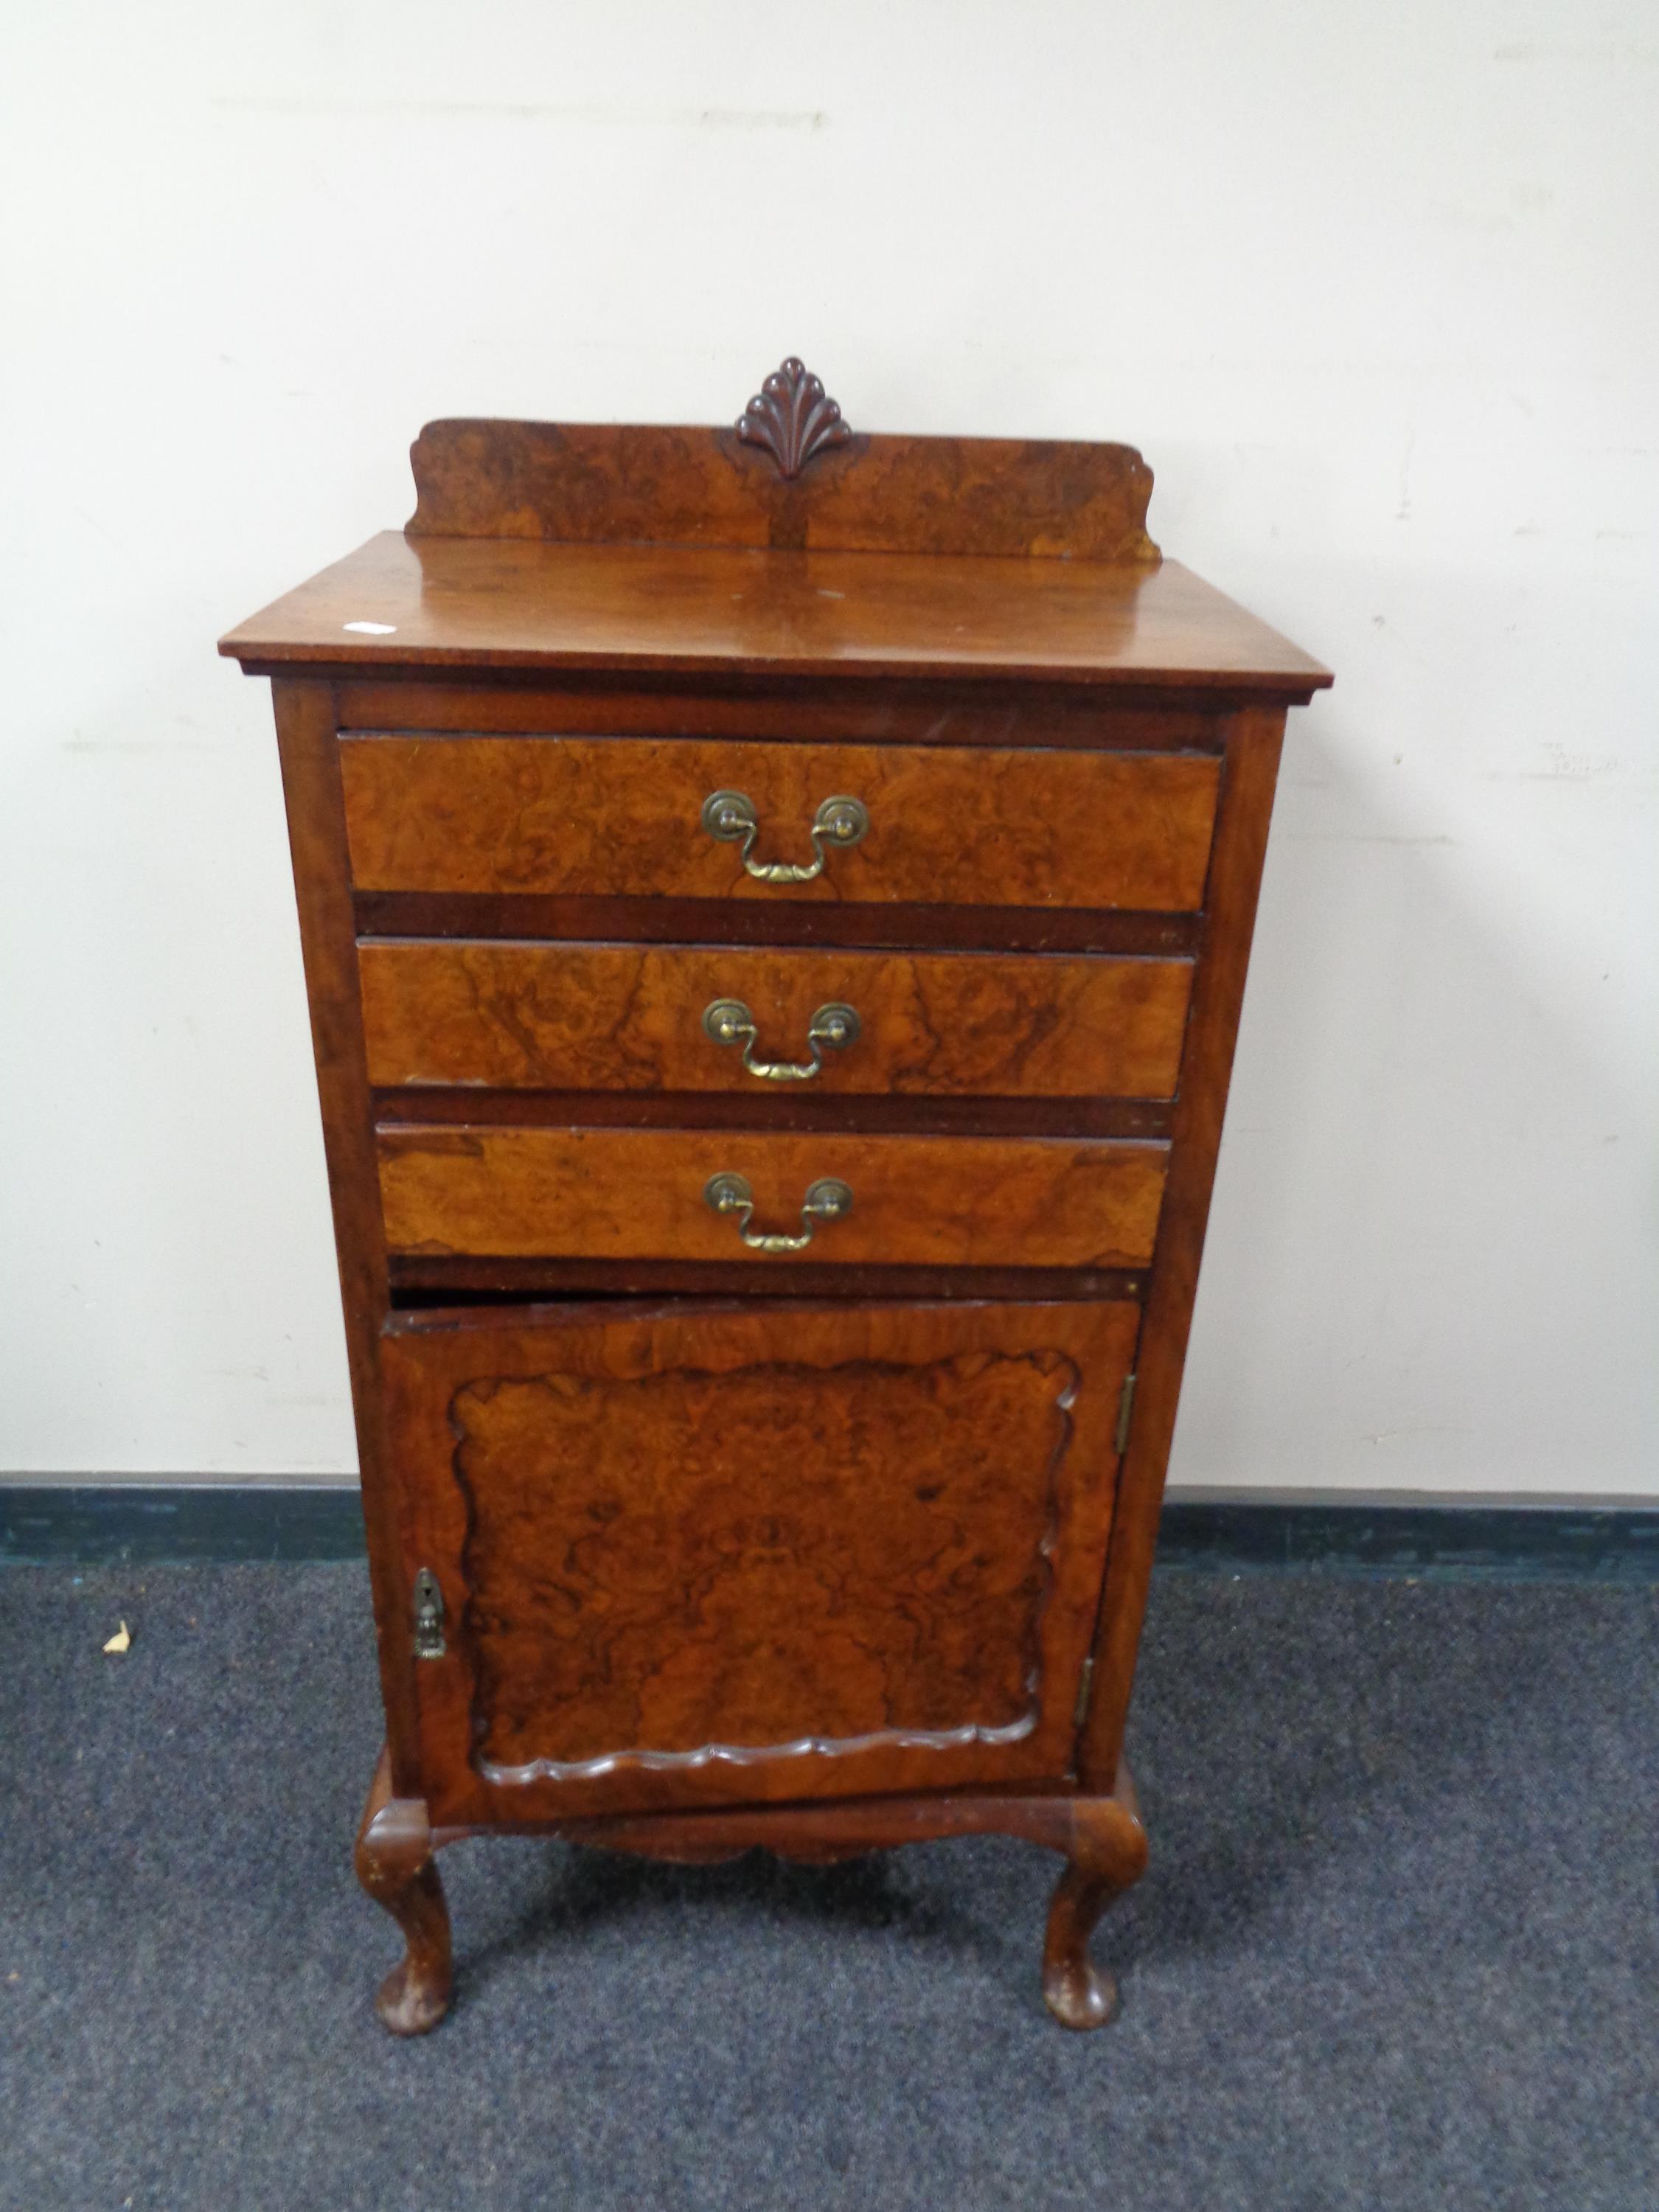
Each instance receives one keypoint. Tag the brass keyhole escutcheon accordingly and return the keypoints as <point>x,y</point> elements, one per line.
<point>427,1608</point>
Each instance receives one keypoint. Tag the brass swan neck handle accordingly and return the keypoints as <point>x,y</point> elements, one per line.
<point>730,817</point>
<point>827,1200</point>
<point>833,1028</point>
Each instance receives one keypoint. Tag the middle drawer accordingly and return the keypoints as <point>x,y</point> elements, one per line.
<point>574,1017</point>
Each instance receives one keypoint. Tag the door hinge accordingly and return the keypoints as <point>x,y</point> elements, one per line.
<point>428,1616</point>
<point>1126,1411</point>
<point>1086,1684</point>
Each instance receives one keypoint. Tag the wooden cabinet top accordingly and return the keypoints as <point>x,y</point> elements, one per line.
<point>470,602</point>
<point>787,546</point>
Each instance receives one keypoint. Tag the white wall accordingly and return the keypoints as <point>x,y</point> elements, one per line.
<point>1374,288</point>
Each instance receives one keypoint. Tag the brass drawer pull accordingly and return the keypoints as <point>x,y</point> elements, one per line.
<point>730,814</point>
<point>827,1200</point>
<point>728,1021</point>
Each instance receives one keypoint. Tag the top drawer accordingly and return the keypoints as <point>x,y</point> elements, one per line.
<point>686,817</point>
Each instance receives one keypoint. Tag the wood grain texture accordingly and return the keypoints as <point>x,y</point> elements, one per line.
<point>1252,769</point>
<point>1055,1815</point>
<point>984,712</point>
<point>395,1864</point>
<point>596,483</point>
<point>818,1570</point>
<point>316,829</point>
<point>792,1106</point>
<point>509,607</point>
<point>622,1194</point>
<point>696,1555</point>
<point>1108,1853</point>
<point>896,927</point>
<point>621,816</point>
<point>628,1018</point>
<point>429,1278</point>
<point>686,1567</point>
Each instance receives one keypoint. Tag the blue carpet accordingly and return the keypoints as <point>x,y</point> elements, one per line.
<point>1399,1946</point>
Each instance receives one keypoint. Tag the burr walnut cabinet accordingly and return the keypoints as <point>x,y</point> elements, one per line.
<point>775,904</point>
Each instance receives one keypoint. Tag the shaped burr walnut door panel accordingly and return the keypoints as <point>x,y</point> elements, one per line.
<point>618,816</point>
<point>643,1193</point>
<point>631,1018</point>
<point>764,1551</point>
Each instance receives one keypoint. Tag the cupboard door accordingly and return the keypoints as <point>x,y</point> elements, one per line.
<point>698,1554</point>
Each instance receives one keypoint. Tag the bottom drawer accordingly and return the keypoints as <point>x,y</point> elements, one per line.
<point>693,1553</point>
<point>718,1195</point>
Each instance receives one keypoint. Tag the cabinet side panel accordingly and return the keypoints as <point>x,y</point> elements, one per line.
<point>1250,773</point>
<point>316,827</point>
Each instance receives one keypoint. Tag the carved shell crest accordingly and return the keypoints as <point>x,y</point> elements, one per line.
<point>794,418</point>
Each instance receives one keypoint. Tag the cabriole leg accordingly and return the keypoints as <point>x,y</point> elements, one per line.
<point>395,1865</point>
<point>1107,1856</point>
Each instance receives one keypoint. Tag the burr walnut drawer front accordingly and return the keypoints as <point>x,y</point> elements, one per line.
<point>721,818</point>
<point>573,1016</point>
<point>711,1195</point>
